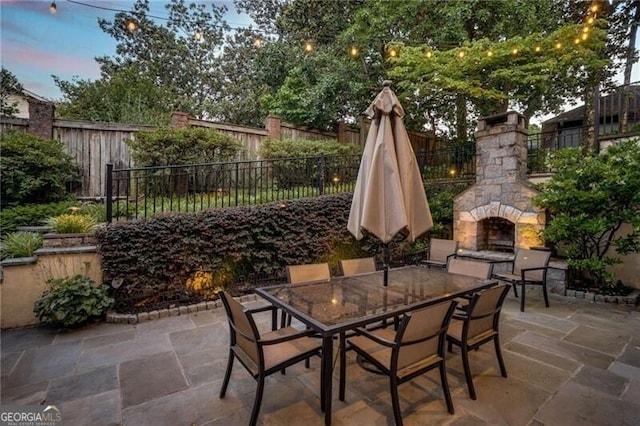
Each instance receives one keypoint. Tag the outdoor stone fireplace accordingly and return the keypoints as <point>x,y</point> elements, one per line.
<point>496,213</point>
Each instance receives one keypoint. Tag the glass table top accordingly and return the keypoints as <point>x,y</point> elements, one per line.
<point>358,299</point>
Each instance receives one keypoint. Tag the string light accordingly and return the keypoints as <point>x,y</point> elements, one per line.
<point>131,25</point>
<point>308,47</point>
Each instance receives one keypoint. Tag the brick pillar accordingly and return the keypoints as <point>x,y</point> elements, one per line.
<point>41,114</point>
<point>273,126</point>
<point>342,132</point>
<point>179,120</point>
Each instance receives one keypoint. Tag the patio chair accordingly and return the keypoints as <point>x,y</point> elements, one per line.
<point>362,265</point>
<point>262,355</point>
<point>528,267</point>
<point>307,273</point>
<point>311,272</point>
<point>415,348</point>
<point>477,326</point>
<point>440,251</point>
<point>470,268</point>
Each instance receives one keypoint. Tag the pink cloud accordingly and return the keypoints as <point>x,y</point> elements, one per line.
<point>53,62</point>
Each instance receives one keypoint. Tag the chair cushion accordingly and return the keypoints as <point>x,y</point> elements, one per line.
<point>455,331</point>
<point>281,352</point>
<point>382,354</point>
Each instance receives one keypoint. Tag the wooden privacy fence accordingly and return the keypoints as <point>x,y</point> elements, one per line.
<point>95,144</point>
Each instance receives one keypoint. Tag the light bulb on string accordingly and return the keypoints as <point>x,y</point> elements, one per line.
<point>537,49</point>
<point>52,7</point>
<point>198,34</point>
<point>393,52</point>
<point>490,53</point>
<point>591,20</point>
<point>515,51</point>
<point>429,54</point>
<point>257,42</point>
<point>461,54</point>
<point>353,51</point>
<point>131,25</point>
<point>308,47</point>
<point>576,41</point>
<point>558,45</point>
<point>585,36</point>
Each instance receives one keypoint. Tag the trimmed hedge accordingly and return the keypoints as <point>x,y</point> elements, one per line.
<point>167,251</point>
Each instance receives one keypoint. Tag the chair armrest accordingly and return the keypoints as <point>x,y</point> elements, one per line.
<point>288,337</point>
<point>524,271</point>
<point>274,314</point>
<point>377,339</point>
<point>454,255</point>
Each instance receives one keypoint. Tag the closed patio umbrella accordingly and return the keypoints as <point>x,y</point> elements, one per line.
<point>389,196</point>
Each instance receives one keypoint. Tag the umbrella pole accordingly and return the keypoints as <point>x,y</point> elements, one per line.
<point>385,264</point>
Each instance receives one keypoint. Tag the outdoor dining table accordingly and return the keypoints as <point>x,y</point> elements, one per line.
<point>344,303</point>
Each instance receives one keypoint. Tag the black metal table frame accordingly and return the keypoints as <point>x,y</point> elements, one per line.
<point>328,332</point>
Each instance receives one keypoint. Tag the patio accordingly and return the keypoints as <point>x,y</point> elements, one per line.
<point>573,363</point>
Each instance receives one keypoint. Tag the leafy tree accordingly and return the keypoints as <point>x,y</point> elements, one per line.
<point>165,147</point>
<point>9,85</point>
<point>124,97</point>
<point>35,170</point>
<point>590,197</point>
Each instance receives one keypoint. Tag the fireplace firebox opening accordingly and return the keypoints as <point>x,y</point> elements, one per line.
<point>497,234</point>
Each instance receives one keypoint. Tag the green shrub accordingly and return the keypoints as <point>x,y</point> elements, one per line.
<point>97,211</point>
<point>589,198</point>
<point>31,214</point>
<point>72,301</point>
<point>20,244</point>
<point>165,147</point>
<point>72,224</point>
<point>35,170</point>
<point>287,148</point>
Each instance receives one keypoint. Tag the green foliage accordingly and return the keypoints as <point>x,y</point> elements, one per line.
<point>72,301</point>
<point>171,248</point>
<point>9,85</point>
<point>19,244</point>
<point>97,211</point>
<point>300,163</point>
<point>127,97</point>
<point>72,224</point>
<point>589,198</point>
<point>165,147</point>
<point>287,148</point>
<point>35,170</point>
<point>31,214</point>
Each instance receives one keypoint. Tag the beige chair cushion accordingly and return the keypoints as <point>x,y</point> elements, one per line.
<point>358,266</point>
<point>312,272</point>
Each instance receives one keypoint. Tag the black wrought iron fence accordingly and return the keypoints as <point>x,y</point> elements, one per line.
<point>144,192</point>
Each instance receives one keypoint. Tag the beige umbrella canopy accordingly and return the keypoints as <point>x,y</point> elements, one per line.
<point>389,196</point>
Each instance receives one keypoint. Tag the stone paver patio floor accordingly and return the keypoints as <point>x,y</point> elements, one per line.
<point>575,363</point>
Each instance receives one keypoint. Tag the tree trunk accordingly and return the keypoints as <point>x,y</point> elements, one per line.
<point>461,118</point>
<point>589,129</point>
<point>631,48</point>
